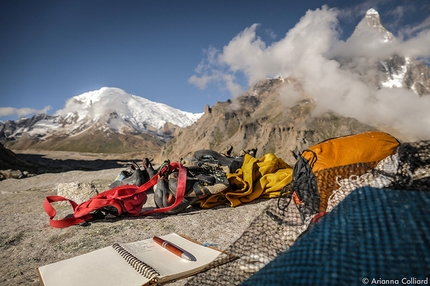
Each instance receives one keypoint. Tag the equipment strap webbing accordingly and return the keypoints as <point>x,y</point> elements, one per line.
<point>69,221</point>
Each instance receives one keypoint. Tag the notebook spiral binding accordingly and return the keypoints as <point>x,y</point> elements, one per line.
<point>141,267</point>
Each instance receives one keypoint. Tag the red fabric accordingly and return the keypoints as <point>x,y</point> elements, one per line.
<point>296,199</point>
<point>318,217</point>
<point>127,199</point>
<point>49,209</point>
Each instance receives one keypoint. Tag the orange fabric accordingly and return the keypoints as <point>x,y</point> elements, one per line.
<point>328,179</point>
<point>359,148</point>
<point>296,199</point>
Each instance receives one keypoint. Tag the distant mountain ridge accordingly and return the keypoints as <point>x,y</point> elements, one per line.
<point>108,116</point>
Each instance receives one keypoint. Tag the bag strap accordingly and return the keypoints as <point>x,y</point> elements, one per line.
<point>313,159</point>
<point>65,222</point>
<point>69,221</point>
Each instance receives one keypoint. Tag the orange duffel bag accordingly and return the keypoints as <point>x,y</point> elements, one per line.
<point>341,157</point>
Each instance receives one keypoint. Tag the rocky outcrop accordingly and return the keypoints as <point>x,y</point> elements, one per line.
<point>417,78</point>
<point>79,191</point>
<point>13,167</point>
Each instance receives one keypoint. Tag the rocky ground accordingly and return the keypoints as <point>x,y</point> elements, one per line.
<point>27,241</point>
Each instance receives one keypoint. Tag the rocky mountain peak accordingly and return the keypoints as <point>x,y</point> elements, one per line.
<point>372,18</point>
<point>372,11</point>
<point>377,69</point>
<point>370,28</point>
<point>258,119</point>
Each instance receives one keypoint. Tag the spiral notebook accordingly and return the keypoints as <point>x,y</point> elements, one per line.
<point>137,263</point>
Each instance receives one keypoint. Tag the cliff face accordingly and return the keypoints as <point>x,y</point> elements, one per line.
<point>261,119</point>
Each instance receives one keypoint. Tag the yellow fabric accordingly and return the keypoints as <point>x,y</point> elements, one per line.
<point>257,178</point>
<point>360,148</point>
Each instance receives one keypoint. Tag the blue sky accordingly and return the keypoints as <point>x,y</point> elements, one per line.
<point>53,50</point>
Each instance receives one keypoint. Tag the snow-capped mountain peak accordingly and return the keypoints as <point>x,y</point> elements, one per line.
<point>98,105</point>
<point>372,11</point>
<point>393,69</point>
<point>371,29</point>
<point>105,111</point>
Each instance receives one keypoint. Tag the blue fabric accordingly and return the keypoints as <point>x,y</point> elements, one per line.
<point>374,236</point>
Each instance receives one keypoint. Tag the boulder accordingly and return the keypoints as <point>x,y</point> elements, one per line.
<point>78,192</point>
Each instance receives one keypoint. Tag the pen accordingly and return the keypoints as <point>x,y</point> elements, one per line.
<point>174,249</point>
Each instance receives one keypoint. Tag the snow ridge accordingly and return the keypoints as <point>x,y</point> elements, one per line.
<point>107,109</point>
<point>138,111</point>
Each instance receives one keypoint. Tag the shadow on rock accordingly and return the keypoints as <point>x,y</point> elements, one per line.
<point>63,165</point>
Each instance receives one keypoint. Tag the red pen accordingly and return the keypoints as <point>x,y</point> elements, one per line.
<point>174,249</point>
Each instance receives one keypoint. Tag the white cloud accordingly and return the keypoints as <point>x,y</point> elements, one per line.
<point>21,112</point>
<point>409,31</point>
<point>417,46</point>
<point>306,53</point>
<point>248,54</point>
<point>211,70</point>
